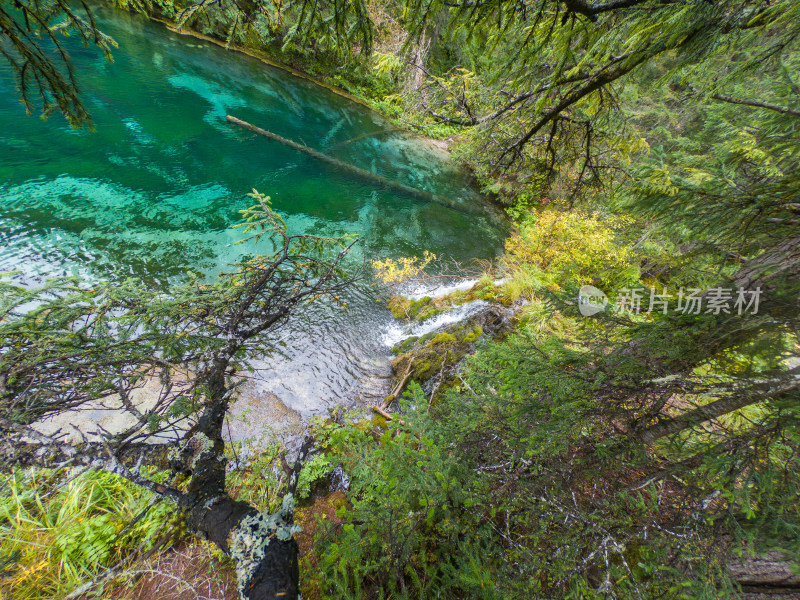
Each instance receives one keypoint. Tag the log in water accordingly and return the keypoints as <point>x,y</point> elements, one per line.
<point>152,194</point>
<point>362,173</point>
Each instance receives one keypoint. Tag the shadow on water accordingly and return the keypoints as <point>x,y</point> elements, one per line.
<point>155,189</point>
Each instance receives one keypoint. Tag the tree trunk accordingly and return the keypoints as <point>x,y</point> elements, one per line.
<point>262,545</point>
<point>358,172</point>
<point>276,576</point>
<point>418,64</point>
<point>768,576</point>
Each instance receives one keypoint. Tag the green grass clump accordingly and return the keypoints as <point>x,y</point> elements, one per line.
<point>53,539</point>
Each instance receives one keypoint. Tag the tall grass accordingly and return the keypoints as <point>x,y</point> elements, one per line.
<point>56,535</point>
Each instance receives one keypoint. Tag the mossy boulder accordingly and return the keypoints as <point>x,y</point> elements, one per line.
<point>406,345</point>
<point>473,335</point>
<point>434,357</point>
<point>403,308</point>
<point>444,338</point>
<point>486,289</point>
<point>407,309</point>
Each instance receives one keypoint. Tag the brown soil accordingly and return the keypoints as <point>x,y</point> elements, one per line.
<point>188,572</point>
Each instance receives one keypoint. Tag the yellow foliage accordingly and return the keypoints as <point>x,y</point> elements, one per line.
<point>386,62</point>
<point>627,148</point>
<point>401,269</point>
<point>29,572</point>
<point>555,249</point>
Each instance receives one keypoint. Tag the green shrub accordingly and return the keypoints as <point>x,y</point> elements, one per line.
<point>411,531</point>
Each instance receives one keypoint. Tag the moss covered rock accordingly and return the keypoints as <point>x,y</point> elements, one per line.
<point>407,309</point>
<point>403,308</point>
<point>433,358</point>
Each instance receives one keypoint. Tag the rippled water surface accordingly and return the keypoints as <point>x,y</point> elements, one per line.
<point>156,187</point>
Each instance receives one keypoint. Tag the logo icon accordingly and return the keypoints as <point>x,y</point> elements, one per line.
<point>591,300</point>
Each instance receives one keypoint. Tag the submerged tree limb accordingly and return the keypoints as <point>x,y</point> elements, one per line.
<point>353,170</point>
<point>364,136</point>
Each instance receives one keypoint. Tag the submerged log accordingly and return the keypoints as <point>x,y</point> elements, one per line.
<point>353,170</point>
<point>364,136</point>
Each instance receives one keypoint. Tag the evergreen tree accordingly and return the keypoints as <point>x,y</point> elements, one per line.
<point>67,348</point>
<point>30,40</point>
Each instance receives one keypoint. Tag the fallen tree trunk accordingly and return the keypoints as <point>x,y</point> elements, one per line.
<point>353,170</point>
<point>385,414</point>
<point>398,388</point>
<point>365,136</point>
<point>769,576</point>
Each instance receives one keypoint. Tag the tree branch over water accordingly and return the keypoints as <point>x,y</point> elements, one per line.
<point>67,348</point>
<point>31,36</point>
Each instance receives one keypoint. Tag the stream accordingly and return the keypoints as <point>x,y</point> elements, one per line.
<point>154,190</point>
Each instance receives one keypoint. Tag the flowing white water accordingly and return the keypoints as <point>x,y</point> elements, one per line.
<point>439,291</point>
<point>421,291</point>
<point>397,332</point>
<point>153,191</point>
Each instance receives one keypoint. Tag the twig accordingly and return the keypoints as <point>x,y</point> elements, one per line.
<point>399,387</point>
<point>385,414</point>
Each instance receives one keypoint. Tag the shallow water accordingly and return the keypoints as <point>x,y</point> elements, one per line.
<point>155,189</point>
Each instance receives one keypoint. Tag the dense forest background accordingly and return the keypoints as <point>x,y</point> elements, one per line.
<point>641,147</point>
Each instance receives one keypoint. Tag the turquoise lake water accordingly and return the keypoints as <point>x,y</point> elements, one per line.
<point>154,190</point>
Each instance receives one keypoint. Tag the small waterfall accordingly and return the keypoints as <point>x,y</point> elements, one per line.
<point>153,197</point>
<point>440,291</point>
<point>397,332</point>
